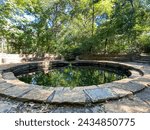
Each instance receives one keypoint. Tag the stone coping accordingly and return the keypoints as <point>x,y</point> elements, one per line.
<point>12,87</point>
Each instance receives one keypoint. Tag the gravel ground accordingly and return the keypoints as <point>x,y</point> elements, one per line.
<point>137,103</point>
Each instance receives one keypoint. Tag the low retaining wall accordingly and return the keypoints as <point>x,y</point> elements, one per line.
<point>10,86</point>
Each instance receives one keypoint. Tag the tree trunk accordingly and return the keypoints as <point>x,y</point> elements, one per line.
<point>93,17</point>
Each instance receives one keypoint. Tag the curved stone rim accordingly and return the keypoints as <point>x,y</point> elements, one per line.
<point>11,87</point>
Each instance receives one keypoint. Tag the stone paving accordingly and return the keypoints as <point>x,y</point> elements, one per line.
<point>127,95</point>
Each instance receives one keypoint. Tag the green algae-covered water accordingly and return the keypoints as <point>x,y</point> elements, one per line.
<point>72,76</point>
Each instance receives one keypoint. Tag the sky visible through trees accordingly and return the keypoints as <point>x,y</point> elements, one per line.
<point>75,27</point>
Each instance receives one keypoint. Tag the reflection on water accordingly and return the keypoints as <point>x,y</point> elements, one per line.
<point>71,76</point>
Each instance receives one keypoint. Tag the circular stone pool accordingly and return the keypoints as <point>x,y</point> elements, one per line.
<point>106,78</point>
<point>73,76</point>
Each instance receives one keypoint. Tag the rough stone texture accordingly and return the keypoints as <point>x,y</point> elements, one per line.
<point>69,96</point>
<point>7,66</point>
<point>139,102</point>
<point>145,80</point>
<point>2,81</point>
<point>16,91</point>
<point>79,109</point>
<point>37,95</point>
<point>6,106</point>
<point>135,74</point>
<point>12,106</point>
<point>9,76</point>
<point>123,81</point>
<point>81,95</point>
<point>100,94</point>
<point>107,85</point>
<point>130,86</point>
<point>144,95</point>
<point>0,75</point>
<point>4,86</point>
<point>132,105</point>
<point>121,92</point>
<point>17,82</point>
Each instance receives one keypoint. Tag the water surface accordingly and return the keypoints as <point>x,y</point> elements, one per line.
<point>72,76</point>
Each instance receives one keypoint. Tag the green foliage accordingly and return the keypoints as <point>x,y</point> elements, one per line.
<point>72,76</point>
<point>72,28</point>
